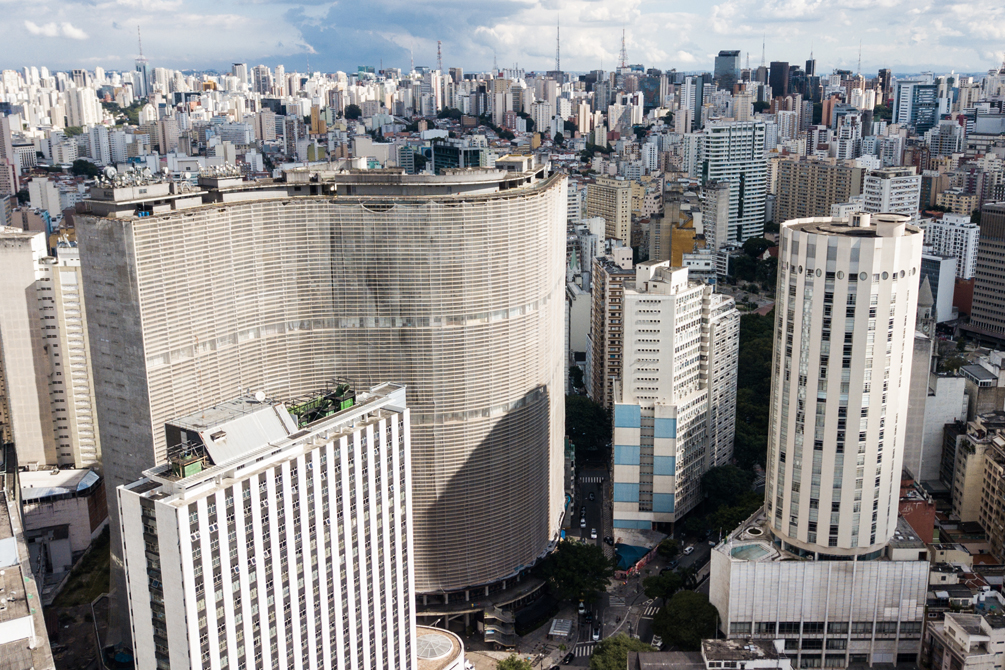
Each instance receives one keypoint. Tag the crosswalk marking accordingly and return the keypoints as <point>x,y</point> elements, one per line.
<point>585,649</point>
<point>651,612</point>
<point>591,480</point>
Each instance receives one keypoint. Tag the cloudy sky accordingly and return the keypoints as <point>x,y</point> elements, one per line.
<point>905,35</point>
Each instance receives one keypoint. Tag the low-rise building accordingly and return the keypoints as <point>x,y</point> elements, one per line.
<point>964,642</point>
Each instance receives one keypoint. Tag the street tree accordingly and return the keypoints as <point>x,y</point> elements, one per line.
<point>663,585</point>
<point>686,620</point>
<point>577,570</point>
<point>353,111</point>
<point>612,653</point>
<point>724,484</point>
<point>513,663</point>
<point>668,548</point>
<point>588,425</point>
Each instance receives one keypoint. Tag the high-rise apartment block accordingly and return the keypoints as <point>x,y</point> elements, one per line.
<point>810,187</point>
<point>276,536</point>
<point>611,198</point>
<point>734,152</point>
<point>47,403</point>
<point>607,331</point>
<point>987,317</point>
<point>727,69</point>
<point>893,190</point>
<point>675,409</point>
<point>955,235</point>
<point>916,104</point>
<point>364,281</point>
<point>844,332</point>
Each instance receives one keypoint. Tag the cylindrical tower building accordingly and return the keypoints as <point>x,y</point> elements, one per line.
<point>844,327</point>
<point>451,285</point>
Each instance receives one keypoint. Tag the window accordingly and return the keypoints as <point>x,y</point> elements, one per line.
<point>861,627</point>
<point>740,628</point>
<point>837,644</point>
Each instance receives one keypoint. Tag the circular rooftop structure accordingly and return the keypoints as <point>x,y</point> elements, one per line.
<point>432,646</point>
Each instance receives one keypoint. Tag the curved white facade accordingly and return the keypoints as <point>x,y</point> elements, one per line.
<point>844,339</point>
<point>460,297</point>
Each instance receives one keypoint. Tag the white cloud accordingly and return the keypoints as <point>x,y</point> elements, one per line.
<point>55,30</point>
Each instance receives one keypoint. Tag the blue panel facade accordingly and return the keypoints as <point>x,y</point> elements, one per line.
<point>632,523</point>
<point>664,465</point>
<point>627,416</point>
<point>628,493</point>
<point>663,502</point>
<point>626,455</point>
<point>666,428</point>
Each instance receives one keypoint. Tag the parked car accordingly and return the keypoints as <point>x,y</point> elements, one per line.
<point>674,563</point>
<point>569,658</point>
<point>609,540</point>
<point>582,522</point>
<point>593,533</point>
<point>688,550</point>
<point>657,641</point>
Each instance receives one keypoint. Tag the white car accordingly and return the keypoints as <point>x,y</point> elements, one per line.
<point>688,550</point>
<point>657,641</point>
<point>582,523</point>
<point>593,533</point>
<point>596,633</point>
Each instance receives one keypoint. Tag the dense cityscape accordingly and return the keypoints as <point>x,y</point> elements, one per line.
<point>420,368</point>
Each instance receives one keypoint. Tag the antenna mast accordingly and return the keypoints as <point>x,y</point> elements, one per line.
<point>624,51</point>
<point>439,56</point>
<point>763,37</point>
<point>411,60</point>
<point>860,58</point>
<point>558,44</point>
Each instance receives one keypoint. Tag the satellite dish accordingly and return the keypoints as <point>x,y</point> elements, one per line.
<point>260,396</point>
<point>110,173</point>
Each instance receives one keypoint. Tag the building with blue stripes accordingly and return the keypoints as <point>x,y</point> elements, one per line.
<point>675,414</point>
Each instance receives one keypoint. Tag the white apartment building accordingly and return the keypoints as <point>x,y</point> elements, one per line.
<point>675,409</point>
<point>893,190</point>
<point>734,152</point>
<point>276,537</point>
<point>46,394</point>
<point>44,194</point>
<point>844,343</point>
<point>954,235</point>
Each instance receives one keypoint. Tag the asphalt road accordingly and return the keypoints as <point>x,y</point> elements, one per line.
<point>594,519</point>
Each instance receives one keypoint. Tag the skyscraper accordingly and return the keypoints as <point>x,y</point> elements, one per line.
<point>356,275</point>
<point>611,199</point>
<point>987,317</point>
<point>734,152</point>
<point>779,79</point>
<point>844,341</point>
<point>274,537</point>
<point>675,417</point>
<point>895,190</point>
<point>727,69</point>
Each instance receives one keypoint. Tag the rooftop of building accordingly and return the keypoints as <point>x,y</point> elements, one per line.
<point>857,225</point>
<point>740,649</point>
<point>753,541</point>
<point>40,485</point>
<point>436,648</point>
<point>24,644</point>
<point>665,660</point>
<point>248,441</point>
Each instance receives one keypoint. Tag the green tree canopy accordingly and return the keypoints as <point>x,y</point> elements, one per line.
<point>755,246</point>
<point>686,620</point>
<point>559,139</point>
<point>663,585</point>
<point>84,167</point>
<point>577,570</point>
<point>449,113</point>
<point>588,425</point>
<point>352,111</point>
<point>576,376</point>
<point>975,216</point>
<point>612,653</point>
<point>514,662</point>
<point>668,548</point>
<point>724,484</point>
<point>760,106</point>
<point>23,197</point>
